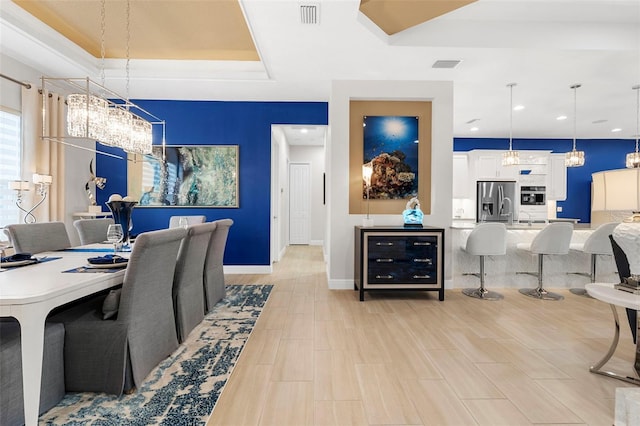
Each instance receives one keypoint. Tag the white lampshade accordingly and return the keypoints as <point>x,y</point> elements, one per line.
<point>44,179</point>
<point>19,185</point>
<point>615,190</point>
<point>367,171</point>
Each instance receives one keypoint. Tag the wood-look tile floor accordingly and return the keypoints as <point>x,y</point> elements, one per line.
<point>322,357</point>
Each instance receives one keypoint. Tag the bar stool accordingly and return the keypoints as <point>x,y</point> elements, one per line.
<point>554,238</point>
<point>486,239</point>
<point>597,243</point>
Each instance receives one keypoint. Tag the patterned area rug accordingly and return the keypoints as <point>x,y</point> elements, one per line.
<point>184,388</point>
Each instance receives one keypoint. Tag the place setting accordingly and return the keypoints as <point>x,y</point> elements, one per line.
<point>21,259</point>
<point>109,262</point>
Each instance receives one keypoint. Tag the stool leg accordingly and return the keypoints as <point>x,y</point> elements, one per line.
<point>540,292</point>
<point>481,292</point>
<point>592,275</point>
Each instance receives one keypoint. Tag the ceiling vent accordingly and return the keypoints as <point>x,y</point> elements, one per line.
<point>309,13</point>
<point>446,63</point>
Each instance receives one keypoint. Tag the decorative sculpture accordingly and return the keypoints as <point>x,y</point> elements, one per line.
<point>98,181</point>
<point>412,214</point>
<point>121,208</point>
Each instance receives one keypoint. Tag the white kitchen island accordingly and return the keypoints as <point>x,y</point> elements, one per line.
<point>501,270</point>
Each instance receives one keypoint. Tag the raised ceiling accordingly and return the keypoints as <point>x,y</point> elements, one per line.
<point>543,45</point>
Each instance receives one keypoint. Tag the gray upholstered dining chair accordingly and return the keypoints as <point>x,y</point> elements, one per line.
<point>174,221</point>
<point>188,288</point>
<point>214,288</point>
<point>38,237</point>
<point>115,354</point>
<point>92,230</point>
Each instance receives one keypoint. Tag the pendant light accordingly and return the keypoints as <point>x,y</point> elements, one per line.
<point>633,158</point>
<point>574,158</point>
<point>510,157</point>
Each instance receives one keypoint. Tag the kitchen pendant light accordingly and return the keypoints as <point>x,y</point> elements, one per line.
<point>510,157</point>
<point>633,158</point>
<point>574,158</point>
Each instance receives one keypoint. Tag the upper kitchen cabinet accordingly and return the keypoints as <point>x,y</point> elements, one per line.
<point>557,178</point>
<point>487,165</point>
<point>462,185</point>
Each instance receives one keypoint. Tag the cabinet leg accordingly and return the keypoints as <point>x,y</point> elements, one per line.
<point>441,295</point>
<point>362,295</point>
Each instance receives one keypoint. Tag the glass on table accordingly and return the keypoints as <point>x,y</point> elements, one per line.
<point>114,235</point>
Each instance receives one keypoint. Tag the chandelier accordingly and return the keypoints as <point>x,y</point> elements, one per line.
<point>510,157</point>
<point>105,119</point>
<point>633,158</point>
<point>574,158</point>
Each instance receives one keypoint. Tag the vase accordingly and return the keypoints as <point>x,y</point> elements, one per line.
<point>121,211</point>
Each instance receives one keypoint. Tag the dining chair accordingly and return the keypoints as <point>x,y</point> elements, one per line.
<point>553,239</point>
<point>174,221</point>
<point>116,354</point>
<point>92,230</point>
<point>188,286</point>
<point>38,237</point>
<point>596,244</point>
<point>486,239</point>
<point>214,287</point>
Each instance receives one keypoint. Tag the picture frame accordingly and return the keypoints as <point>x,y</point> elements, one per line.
<point>185,176</point>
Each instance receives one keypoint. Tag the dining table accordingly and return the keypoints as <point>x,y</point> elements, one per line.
<point>30,292</point>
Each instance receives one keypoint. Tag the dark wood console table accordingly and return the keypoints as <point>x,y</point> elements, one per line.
<point>394,258</point>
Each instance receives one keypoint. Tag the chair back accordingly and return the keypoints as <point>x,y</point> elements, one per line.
<point>146,303</point>
<point>188,286</point>
<point>554,238</point>
<point>622,263</point>
<point>214,286</point>
<point>92,230</point>
<point>174,221</point>
<point>598,242</point>
<point>38,237</point>
<point>487,239</point>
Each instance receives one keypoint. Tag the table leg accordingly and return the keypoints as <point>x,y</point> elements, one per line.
<point>32,344</point>
<point>597,367</point>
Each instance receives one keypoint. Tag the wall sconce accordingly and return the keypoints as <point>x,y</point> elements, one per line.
<point>367,171</point>
<point>42,183</point>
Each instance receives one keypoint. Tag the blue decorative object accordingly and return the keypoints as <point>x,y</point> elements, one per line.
<point>121,211</point>
<point>412,214</point>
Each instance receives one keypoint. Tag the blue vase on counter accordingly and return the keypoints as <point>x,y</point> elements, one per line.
<point>121,211</point>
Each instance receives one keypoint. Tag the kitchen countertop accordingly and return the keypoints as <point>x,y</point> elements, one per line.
<point>470,224</point>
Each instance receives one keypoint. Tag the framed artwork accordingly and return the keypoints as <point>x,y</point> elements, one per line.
<point>188,176</point>
<point>394,138</point>
<point>390,146</point>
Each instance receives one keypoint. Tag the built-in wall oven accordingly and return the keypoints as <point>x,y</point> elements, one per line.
<point>533,196</point>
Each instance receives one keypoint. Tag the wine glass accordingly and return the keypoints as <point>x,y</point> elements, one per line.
<point>114,235</point>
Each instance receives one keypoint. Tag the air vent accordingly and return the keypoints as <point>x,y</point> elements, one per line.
<point>446,63</point>
<point>602,120</point>
<point>473,120</point>
<point>309,13</point>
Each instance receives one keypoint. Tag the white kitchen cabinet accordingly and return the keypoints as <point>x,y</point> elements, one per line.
<point>488,165</point>
<point>462,186</point>
<point>557,178</point>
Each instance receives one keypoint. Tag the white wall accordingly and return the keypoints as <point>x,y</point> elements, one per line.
<point>76,160</point>
<point>314,155</point>
<point>340,224</point>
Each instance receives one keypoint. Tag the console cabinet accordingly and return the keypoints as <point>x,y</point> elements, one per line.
<point>394,258</point>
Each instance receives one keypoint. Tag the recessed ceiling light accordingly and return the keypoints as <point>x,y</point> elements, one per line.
<point>518,107</point>
<point>561,117</point>
<point>616,130</point>
<point>474,129</point>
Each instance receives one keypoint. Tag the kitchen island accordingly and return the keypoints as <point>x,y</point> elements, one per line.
<point>501,270</point>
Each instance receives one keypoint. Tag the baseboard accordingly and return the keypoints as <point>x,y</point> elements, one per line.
<point>248,269</point>
<point>316,242</point>
<point>341,284</point>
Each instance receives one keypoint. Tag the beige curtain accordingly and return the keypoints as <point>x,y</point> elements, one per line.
<point>44,156</point>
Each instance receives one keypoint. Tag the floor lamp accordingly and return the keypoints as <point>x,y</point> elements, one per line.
<point>367,171</point>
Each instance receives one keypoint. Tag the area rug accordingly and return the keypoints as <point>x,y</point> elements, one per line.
<point>183,389</point>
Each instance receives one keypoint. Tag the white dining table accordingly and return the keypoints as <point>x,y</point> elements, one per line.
<point>29,293</point>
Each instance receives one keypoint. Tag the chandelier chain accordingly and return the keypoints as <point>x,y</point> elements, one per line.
<point>128,39</point>
<point>102,37</point>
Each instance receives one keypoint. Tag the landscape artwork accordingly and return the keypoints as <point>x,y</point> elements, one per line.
<point>391,146</point>
<point>191,176</point>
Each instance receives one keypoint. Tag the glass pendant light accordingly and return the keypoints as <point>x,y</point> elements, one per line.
<point>633,158</point>
<point>510,157</point>
<point>87,116</point>
<point>574,158</point>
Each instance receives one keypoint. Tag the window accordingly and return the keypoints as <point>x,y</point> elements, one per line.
<point>10,165</point>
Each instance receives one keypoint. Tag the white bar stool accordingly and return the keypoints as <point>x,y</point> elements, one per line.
<point>596,244</point>
<point>486,239</point>
<point>554,238</point>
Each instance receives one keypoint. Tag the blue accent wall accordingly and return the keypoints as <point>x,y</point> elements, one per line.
<point>247,124</point>
<point>600,154</point>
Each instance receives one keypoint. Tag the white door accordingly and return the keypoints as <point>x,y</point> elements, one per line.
<point>275,202</point>
<point>299,202</point>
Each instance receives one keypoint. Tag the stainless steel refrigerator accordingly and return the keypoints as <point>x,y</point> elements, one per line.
<point>495,201</point>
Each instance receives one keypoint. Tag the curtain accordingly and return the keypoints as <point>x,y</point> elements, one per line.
<point>44,156</point>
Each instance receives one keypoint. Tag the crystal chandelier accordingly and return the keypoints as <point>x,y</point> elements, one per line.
<point>574,158</point>
<point>93,117</point>
<point>510,157</point>
<point>633,158</point>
